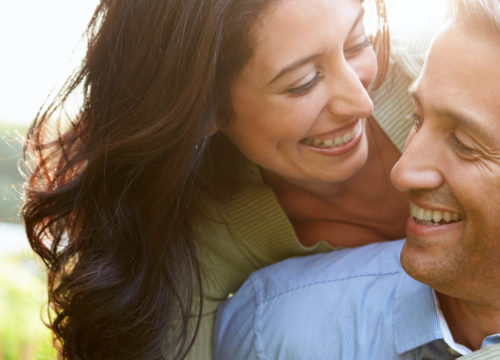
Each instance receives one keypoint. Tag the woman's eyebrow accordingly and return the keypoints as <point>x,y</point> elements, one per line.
<point>294,65</point>
<point>298,63</point>
<point>359,18</point>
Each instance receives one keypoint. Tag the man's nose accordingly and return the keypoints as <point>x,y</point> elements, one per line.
<point>420,163</point>
<point>349,95</point>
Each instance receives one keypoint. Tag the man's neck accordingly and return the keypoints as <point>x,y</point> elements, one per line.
<point>469,323</point>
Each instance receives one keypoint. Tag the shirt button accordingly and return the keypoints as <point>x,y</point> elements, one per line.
<point>229,296</point>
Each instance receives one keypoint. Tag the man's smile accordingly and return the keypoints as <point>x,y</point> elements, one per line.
<point>433,217</point>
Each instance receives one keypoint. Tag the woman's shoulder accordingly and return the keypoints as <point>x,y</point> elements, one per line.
<point>241,233</point>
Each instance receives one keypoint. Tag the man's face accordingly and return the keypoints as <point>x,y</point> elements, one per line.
<point>451,166</point>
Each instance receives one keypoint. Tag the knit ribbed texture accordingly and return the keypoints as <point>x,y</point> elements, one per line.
<point>393,106</point>
<point>244,233</point>
<point>490,352</point>
<point>392,103</point>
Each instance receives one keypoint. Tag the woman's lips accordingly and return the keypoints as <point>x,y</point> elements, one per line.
<point>338,141</point>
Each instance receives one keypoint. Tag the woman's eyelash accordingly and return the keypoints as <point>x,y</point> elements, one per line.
<point>358,47</point>
<point>304,89</point>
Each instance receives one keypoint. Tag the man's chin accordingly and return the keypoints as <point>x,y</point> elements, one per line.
<point>424,265</point>
<point>417,262</point>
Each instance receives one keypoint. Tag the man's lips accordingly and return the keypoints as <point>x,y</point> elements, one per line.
<point>433,217</point>
<point>431,223</point>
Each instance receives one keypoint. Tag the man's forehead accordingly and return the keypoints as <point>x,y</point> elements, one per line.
<point>463,54</point>
<point>459,78</point>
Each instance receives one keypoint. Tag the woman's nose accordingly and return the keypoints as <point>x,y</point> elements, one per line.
<point>349,94</point>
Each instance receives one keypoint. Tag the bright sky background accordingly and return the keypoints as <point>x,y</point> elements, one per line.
<point>40,42</point>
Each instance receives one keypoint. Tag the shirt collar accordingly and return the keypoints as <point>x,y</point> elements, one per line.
<point>491,340</point>
<point>445,330</point>
<point>415,321</point>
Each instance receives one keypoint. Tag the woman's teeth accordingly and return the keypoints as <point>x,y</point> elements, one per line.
<point>335,142</point>
<point>433,217</point>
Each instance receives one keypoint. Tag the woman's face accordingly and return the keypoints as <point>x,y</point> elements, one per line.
<point>301,102</point>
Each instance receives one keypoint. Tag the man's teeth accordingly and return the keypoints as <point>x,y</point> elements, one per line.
<point>338,141</point>
<point>432,217</point>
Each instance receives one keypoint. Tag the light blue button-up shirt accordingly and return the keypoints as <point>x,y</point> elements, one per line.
<point>348,304</point>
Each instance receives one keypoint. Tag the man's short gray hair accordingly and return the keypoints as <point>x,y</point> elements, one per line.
<point>481,12</point>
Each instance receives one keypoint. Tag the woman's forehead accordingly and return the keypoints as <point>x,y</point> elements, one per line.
<point>292,29</point>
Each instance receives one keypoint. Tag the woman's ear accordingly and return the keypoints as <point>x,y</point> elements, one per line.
<point>213,129</point>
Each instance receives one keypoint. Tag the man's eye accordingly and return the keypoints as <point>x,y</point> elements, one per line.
<point>305,88</point>
<point>417,120</point>
<point>460,146</point>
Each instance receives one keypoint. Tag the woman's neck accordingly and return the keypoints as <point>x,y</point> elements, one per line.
<point>360,210</point>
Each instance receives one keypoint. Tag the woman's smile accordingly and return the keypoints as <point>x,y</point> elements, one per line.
<point>301,102</point>
<point>336,142</point>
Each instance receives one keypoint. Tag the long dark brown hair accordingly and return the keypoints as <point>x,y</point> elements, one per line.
<point>111,194</point>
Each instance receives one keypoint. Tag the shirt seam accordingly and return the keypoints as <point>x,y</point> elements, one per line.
<point>326,282</point>
<point>259,347</point>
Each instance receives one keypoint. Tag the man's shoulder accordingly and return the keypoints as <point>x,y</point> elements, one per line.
<point>297,308</point>
<point>370,261</point>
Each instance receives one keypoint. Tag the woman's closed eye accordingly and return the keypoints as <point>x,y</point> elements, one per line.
<point>352,50</point>
<point>304,89</point>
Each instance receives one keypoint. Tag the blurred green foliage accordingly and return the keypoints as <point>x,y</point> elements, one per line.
<point>23,291</point>
<point>10,178</point>
<point>23,336</point>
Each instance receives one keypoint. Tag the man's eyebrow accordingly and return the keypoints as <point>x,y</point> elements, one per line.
<point>298,63</point>
<point>462,118</point>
